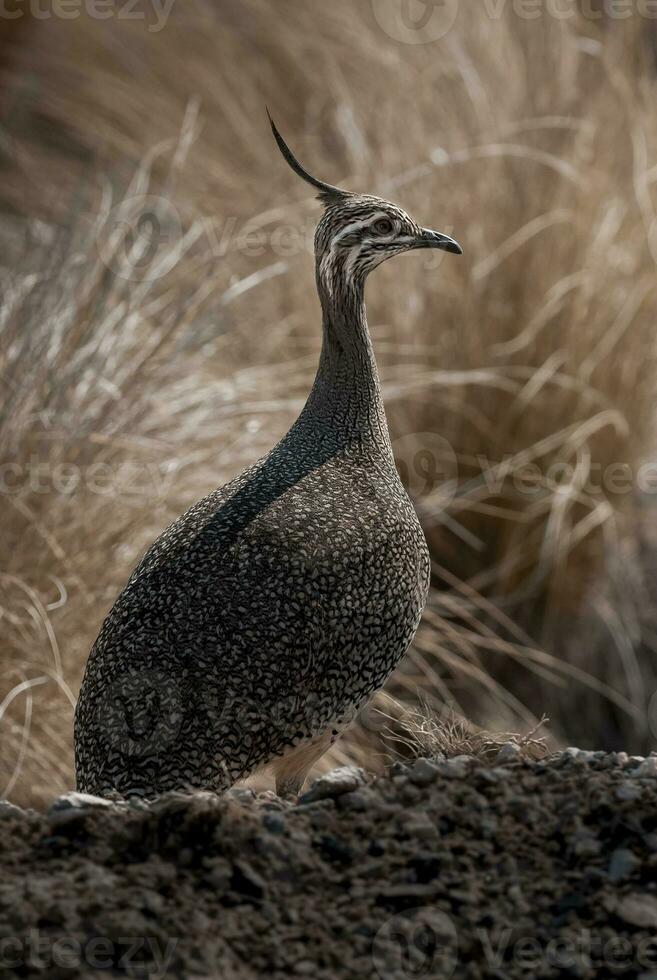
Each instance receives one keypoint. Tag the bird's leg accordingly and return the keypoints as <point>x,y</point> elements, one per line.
<point>290,770</point>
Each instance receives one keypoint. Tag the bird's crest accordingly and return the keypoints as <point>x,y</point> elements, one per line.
<point>328,194</point>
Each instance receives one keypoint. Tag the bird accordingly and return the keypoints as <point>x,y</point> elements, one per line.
<point>261,622</point>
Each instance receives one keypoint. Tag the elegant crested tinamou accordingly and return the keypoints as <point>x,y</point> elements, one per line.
<point>258,624</point>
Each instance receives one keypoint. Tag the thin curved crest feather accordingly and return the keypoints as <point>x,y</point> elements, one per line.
<point>328,194</point>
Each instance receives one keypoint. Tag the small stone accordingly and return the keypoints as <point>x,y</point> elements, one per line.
<point>399,769</point>
<point>73,809</point>
<point>334,783</point>
<point>268,797</point>
<point>75,819</point>
<point>516,895</point>
<point>585,845</point>
<point>575,757</point>
<point>336,849</point>
<point>305,968</point>
<point>409,795</point>
<point>628,792</point>
<point>274,823</point>
<point>647,769</point>
<point>9,810</point>
<point>152,901</point>
<point>425,832</point>
<point>494,775</point>
<point>420,827</point>
<point>247,880</point>
<point>358,800</point>
<point>622,864</point>
<point>408,890</point>
<point>135,803</point>
<point>424,772</point>
<point>456,768</point>
<point>489,826</point>
<point>174,803</point>
<point>219,875</point>
<point>241,794</point>
<point>78,801</point>
<point>639,910</point>
<point>509,752</point>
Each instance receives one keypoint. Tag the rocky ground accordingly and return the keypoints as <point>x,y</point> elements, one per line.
<point>443,868</point>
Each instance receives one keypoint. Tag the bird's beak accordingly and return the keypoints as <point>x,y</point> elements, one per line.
<point>433,239</point>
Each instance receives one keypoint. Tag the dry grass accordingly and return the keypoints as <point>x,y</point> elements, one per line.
<point>421,734</point>
<point>535,145</point>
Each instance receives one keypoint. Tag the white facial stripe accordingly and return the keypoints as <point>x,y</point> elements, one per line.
<point>328,260</point>
<point>334,247</point>
<point>354,226</point>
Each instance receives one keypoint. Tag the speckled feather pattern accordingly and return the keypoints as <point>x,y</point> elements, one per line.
<point>271,611</point>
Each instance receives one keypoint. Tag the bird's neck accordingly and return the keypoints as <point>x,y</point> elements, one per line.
<point>347,391</point>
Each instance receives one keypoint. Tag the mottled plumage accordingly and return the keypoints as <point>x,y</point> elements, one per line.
<point>260,622</point>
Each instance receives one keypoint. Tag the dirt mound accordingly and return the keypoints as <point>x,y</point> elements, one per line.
<point>444,868</point>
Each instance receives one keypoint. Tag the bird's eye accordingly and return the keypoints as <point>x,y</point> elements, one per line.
<point>383,226</point>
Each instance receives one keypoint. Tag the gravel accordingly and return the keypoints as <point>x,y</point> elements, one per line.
<point>334,784</point>
<point>442,868</point>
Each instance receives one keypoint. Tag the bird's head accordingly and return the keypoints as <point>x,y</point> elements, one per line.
<point>358,231</point>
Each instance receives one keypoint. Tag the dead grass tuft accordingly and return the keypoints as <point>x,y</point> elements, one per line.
<point>418,733</point>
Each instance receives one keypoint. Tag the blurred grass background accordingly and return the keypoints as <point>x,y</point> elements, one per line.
<point>159,330</point>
